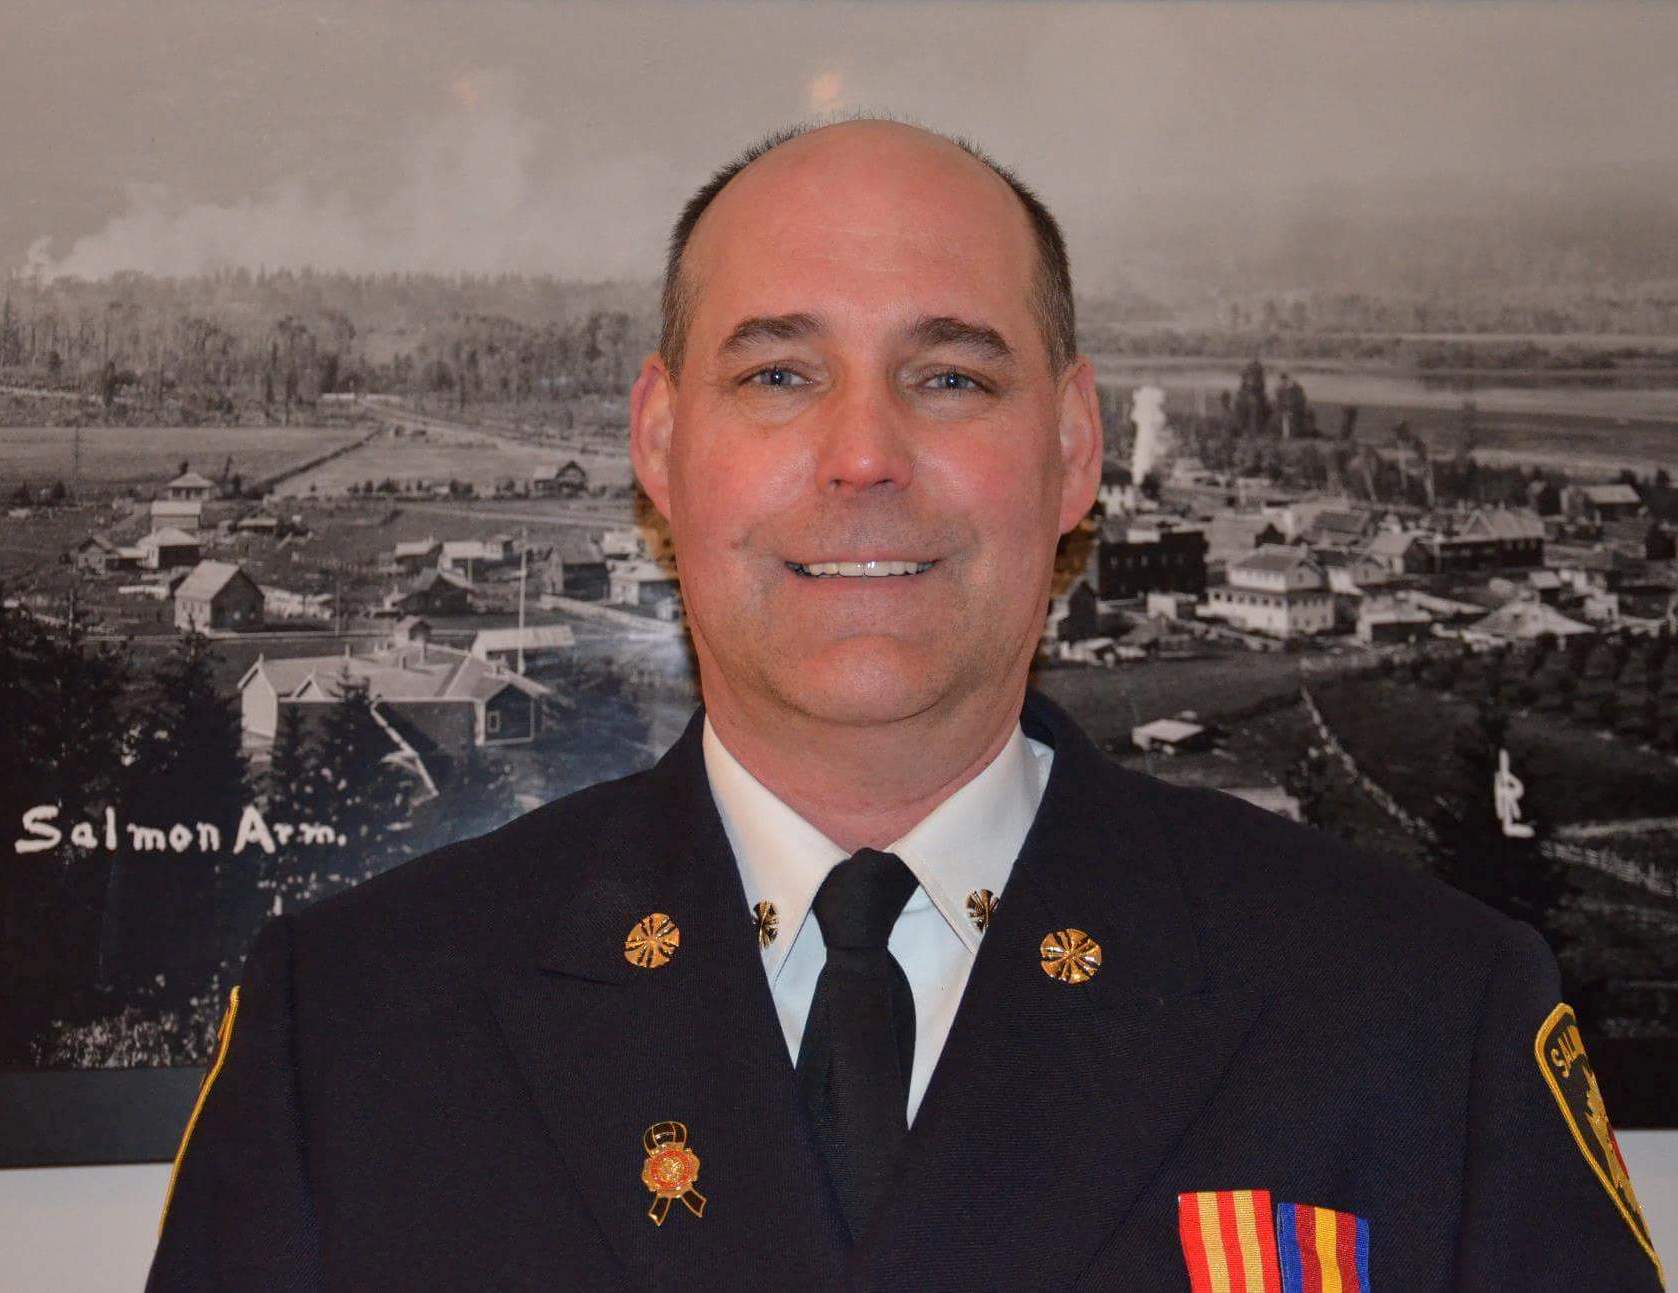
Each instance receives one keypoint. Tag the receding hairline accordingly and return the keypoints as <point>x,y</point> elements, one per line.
<point>1051,287</point>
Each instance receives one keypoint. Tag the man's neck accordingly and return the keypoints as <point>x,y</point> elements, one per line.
<point>866,785</point>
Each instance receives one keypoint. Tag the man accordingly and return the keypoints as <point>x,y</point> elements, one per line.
<point>884,977</point>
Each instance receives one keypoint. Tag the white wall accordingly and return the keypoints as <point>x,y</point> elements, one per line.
<point>91,1229</point>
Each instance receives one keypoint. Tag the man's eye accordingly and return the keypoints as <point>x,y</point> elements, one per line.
<point>954,381</point>
<point>778,377</point>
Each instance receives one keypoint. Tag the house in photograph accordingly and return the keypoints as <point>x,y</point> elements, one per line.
<point>1117,493</point>
<point>1188,470</point>
<point>1073,615</point>
<point>1171,736</point>
<point>471,558</point>
<point>1352,573</point>
<point>1230,534</point>
<point>98,555</point>
<point>411,630</point>
<point>287,604</point>
<point>180,513</point>
<point>647,586</point>
<point>92,555</point>
<point>1134,559</point>
<point>438,702</point>
<point>1605,502</point>
<point>1294,517</point>
<point>535,644</point>
<point>261,524</point>
<point>1490,538</point>
<point>1280,590</point>
<point>1341,527</point>
<point>1402,552</point>
<point>191,487</point>
<point>1600,570</point>
<point>1272,799</point>
<point>415,555</point>
<point>218,596</point>
<point>1171,606</point>
<point>433,592</point>
<point>575,567</point>
<point>566,480</point>
<point>636,543</point>
<point>167,548</point>
<point>1523,620</point>
<point>1546,585</point>
<point>1392,625</point>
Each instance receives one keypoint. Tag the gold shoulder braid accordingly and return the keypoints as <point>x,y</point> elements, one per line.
<point>223,1035</point>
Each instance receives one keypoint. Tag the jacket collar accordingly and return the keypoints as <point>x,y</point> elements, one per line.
<point>969,842</point>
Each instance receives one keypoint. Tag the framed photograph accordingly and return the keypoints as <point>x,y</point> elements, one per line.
<point>320,546</point>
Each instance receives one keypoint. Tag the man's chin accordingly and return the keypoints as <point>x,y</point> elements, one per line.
<point>861,687</point>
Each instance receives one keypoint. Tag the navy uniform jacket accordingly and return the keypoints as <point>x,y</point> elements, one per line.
<point>442,1078</point>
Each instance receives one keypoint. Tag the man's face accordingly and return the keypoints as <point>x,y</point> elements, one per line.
<point>866,461</point>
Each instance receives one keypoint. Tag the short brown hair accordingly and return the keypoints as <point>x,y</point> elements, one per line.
<point>1051,298</point>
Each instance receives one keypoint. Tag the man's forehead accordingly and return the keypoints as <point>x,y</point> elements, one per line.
<point>848,215</point>
<point>863,159</point>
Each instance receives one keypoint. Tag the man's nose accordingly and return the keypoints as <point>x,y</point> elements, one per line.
<point>866,442</point>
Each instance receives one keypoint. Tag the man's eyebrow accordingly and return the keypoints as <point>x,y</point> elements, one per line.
<point>947,330</point>
<point>769,327</point>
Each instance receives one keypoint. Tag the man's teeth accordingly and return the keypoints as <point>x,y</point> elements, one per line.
<point>861,569</point>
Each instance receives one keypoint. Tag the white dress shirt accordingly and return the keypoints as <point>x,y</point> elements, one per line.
<point>968,842</point>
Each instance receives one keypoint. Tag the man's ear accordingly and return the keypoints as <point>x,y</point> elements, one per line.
<point>652,417</point>
<point>1080,443</point>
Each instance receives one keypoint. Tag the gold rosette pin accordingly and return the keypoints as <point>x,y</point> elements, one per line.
<point>670,1170</point>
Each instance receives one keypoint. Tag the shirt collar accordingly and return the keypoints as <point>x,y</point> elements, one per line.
<point>968,842</point>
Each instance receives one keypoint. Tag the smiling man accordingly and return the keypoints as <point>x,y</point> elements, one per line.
<point>883,977</point>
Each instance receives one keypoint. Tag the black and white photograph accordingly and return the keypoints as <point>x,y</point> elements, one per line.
<point>320,545</point>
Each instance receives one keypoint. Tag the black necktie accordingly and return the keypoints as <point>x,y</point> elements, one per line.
<point>859,1041</point>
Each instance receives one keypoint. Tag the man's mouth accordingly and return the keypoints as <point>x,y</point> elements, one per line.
<point>859,569</point>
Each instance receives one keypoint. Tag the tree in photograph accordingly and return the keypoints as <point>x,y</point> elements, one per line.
<point>1308,780</point>
<point>62,744</point>
<point>1474,852</point>
<point>361,792</point>
<point>1655,657</point>
<point>292,793</point>
<point>1251,408</point>
<point>1580,648</point>
<point>189,760</point>
<point>476,797</point>
<point>1495,675</point>
<point>77,750</point>
<point>172,911</point>
<point>23,713</point>
<point>1294,418</point>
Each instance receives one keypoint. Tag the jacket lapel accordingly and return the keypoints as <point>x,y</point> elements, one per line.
<point>608,1049</point>
<point>1053,1105</point>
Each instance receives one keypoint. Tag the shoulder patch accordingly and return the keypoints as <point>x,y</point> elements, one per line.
<point>1560,1051</point>
<point>224,1035</point>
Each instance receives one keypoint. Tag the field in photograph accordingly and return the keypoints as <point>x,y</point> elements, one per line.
<point>123,455</point>
<point>441,455</point>
<point>1401,734</point>
<point>1109,702</point>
